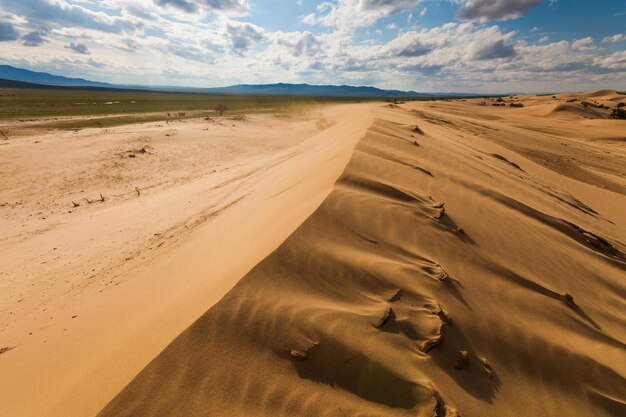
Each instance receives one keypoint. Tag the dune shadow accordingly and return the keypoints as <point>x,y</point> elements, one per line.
<point>332,364</point>
<point>475,379</point>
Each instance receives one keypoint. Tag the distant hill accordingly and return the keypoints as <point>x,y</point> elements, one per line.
<point>45,80</point>
<point>34,86</point>
<point>8,72</point>
<point>282,89</point>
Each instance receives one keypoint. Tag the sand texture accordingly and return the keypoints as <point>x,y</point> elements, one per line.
<point>89,295</point>
<point>470,260</point>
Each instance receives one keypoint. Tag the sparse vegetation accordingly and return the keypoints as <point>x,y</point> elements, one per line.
<point>519,105</point>
<point>48,106</point>
<point>220,108</point>
<point>618,113</point>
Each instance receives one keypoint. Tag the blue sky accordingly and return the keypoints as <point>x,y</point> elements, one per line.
<point>423,45</point>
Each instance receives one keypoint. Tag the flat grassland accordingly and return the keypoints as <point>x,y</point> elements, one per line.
<point>24,109</point>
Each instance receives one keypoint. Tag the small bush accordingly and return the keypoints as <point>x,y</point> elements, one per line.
<point>618,113</point>
<point>516,105</point>
<point>220,108</point>
<point>620,105</point>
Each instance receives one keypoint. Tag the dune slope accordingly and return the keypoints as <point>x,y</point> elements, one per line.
<point>444,275</point>
<point>90,295</point>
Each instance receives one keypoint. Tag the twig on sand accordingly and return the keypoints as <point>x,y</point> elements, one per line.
<point>5,349</point>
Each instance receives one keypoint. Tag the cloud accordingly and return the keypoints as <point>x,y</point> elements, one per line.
<point>300,43</point>
<point>348,15</point>
<point>34,38</point>
<point>191,52</point>
<point>243,35</point>
<point>387,7</point>
<point>408,44</point>
<point>495,50</point>
<point>584,44</point>
<point>486,10</point>
<point>620,37</point>
<point>79,48</point>
<point>63,14</point>
<point>8,32</point>
<point>230,7</point>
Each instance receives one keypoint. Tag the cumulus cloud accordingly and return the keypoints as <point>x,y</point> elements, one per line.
<point>409,44</point>
<point>34,38</point>
<point>620,37</point>
<point>8,32</point>
<point>243,35</point>
<point>62,13</point>
<point>584,44</point>
<point>300,43</point>
<point>486,10</point>
<point>79,48</point>
<point>191,52</point>
<point>494,50</point>
<point>232,7</point>
<point>351,14</point>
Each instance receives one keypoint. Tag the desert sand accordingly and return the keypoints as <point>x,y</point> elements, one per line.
<point>437,258</point>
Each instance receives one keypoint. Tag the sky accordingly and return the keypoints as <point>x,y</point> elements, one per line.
<point>476,46</point>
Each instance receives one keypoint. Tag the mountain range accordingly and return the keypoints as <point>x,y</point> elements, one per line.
<point>11,77</point>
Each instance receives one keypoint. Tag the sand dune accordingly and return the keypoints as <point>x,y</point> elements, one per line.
<point>91,294</point>
<point>469,261</point>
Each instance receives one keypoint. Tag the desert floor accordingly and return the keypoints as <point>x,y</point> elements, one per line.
<point>419,259</point>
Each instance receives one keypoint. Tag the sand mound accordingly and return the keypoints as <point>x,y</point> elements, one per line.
<point>505,300</point>
<point>601,93</point>
<point>581,109</point>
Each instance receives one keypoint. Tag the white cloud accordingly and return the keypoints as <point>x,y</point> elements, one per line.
<point>347,15</point>
<point>620,37</point>
<point>243,36</point>
<point>583,44</point>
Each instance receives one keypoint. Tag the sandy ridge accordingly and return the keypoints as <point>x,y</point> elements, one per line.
<point>444,275</point>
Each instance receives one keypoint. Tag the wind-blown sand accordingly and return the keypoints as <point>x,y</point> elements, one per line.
<point>468,261</point>
<point>91,294</point>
